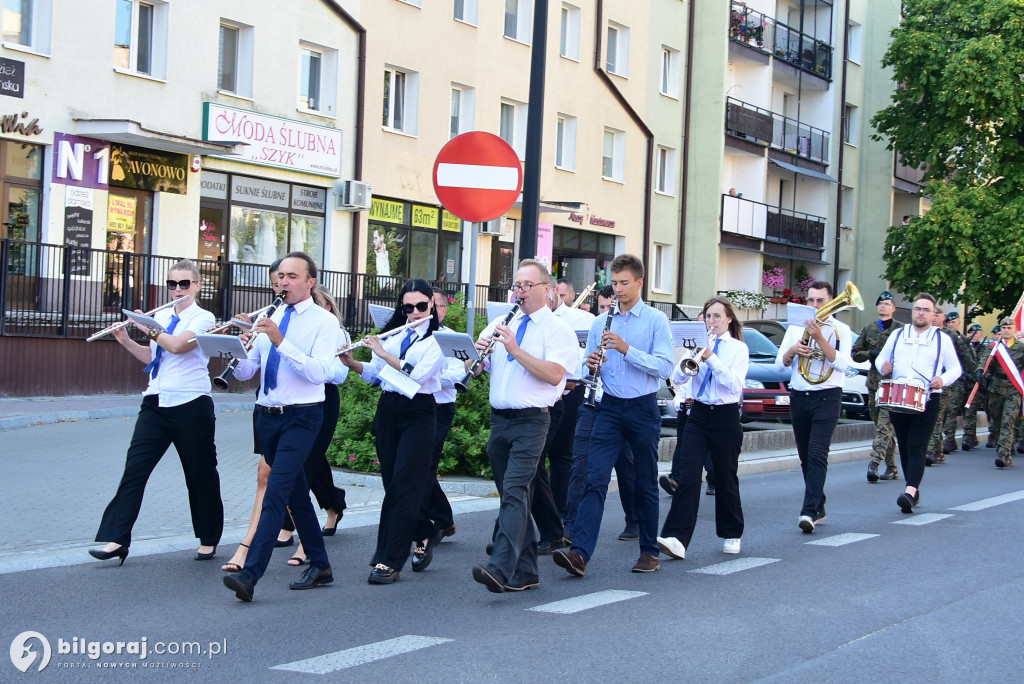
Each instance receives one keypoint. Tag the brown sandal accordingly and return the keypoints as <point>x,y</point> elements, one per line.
<point>233,567</point>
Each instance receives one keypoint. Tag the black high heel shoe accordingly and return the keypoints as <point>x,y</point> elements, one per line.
<point>330,531</point>
<point>206,556</point>
<point>120,552</point>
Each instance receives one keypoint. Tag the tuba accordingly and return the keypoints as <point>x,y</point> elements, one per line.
<point>815,369</point>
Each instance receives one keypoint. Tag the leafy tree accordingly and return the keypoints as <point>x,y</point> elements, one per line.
<point>958,112</point>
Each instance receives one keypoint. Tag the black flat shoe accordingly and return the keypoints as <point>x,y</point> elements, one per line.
<point>382,574</point>
<point>206,556</point>
<point>287,542</point>
<point>906,502</point>
<point>490,579</point>
<point>120,552</point>
<point>313,577</point>
<point>422,556</point>
<point>241,584</point>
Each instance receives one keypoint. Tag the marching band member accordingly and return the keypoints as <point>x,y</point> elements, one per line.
<point>815,408</point>
<point>637,352</point>
<point>713,424</point>
<point>534,353</point>
<point>403,426</point>
<point>176,409</point>
<point>918,350</point>
<point>293,350</point>
<point>869,343</point>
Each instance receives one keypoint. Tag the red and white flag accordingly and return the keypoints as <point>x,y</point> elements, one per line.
<point>1010,368</point>
<point>1018,314</point>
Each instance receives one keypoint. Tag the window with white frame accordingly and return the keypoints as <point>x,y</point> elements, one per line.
<point>613,155</point>
<point>617,50</point>
<point>565,142</point>
<point>662,272</point>
<point>671,62</point>
<point>851,124</point>
<point>414,3</point>
<point>569,39</point>
<point>26,24</point>
<point>854,42</point>
<point>234,59</point>
<point>512,125</point>
<point>460,119</point>
<point>466,11</point>
<point>518,20</point>
<point>665,171</point>
<point>140,37</point>
<point>318,70</point>
<point>401,95</point>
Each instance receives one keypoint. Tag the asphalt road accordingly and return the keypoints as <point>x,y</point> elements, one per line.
<point>933,601</point>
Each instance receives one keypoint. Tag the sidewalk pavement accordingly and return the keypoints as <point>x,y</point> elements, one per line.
<point>93,441</point>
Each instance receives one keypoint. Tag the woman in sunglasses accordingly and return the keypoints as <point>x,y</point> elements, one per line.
<point>408,367</point>
<point>176,409</point>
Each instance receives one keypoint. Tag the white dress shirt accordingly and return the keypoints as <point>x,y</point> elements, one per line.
<point>547,338</point>
<point>728,368</point>
<point>307,355</point>
<point>913,356</point>
<point>452,371</point>
<point>424,355</point>
<point>182,377</point>
<point>843,346</point>
<point>577,320</point>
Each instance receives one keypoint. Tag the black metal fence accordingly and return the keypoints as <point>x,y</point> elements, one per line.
<point>68,292</point>
<point>754,29</point>
<point>765,127</point>
<point>795,228</point>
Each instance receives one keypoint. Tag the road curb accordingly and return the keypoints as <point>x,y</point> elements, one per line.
<point>20,421</point>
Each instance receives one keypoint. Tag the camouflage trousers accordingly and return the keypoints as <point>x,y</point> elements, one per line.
<point>883,447</point>
<point>955,409</point>
<point>935,442</point>
<point>971,413</point>
<point>1003,415</point>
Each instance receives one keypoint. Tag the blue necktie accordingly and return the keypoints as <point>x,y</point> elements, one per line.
<point>154,365</point>
<point>707,378</point>
<point>521,332</point>
<point>407,342</point>
<point>274,358</point>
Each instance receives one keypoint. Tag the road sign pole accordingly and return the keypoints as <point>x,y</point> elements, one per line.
<point>534,133</point>
<point>471,295</point>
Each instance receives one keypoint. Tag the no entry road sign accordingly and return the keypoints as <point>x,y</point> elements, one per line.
<point>477,176</point>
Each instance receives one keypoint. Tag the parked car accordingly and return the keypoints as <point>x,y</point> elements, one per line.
<point>666,407</point>
<point>766,390</point>
<point>773,330</point>
<point>855,389</point>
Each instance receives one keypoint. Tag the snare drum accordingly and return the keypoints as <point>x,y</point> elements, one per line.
<point>902,396</point>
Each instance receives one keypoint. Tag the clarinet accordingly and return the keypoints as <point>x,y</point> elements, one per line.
<point>221,381</point>
<point>463,384</point>
<point>594,381</point>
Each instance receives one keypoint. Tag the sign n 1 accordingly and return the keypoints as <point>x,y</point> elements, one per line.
<point>477,176</point>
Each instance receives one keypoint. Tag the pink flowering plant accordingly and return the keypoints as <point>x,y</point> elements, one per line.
<point>773,278</point>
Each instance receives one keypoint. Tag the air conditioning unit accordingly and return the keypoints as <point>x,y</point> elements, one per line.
<point>352,195</point>
<point>492,227</point>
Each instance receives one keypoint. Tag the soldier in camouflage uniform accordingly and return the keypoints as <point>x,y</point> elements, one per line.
<point>934,453</point>
<point>993,422</point>
<point>1004,400</point>
<point>872,339</point>
<point>962,387</point>
<point>970,439</point>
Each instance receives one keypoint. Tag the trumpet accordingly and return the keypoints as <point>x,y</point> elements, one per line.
<point>217,329</point>
<point>221,381</point>
<point>583,295</point>
<point>691,364</point>
<point>463,384</point>
<point>124,324</point>
<point>356,345</point>
<point>594,381</point>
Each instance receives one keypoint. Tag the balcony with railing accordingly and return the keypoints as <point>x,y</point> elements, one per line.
<point>760,221</point>
<point>787,44</point>
<point>909,174</point>
<point>764,127</point>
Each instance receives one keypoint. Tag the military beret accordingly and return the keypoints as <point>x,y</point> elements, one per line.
<point>952,316</point>
<point>999,326</point>
<point>886,295</point>
<point>975,327</point>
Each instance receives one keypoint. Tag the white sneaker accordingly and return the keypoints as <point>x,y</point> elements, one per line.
<point>731,546</point>
<point>806,524</point>
<point>672,547</point>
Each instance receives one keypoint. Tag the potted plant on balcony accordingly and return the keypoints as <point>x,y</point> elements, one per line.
<point>774,278</point>
<point>747,300</point>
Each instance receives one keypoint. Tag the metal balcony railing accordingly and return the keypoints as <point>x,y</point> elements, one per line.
<point>795,228</point>
<point>762,126</point>
<point>749,27</point>
<point>744,217</point>
<point>907,173</point>
<point>69,292</point>
<point>802,51</point>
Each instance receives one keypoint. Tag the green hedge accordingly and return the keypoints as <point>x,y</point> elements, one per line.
<point>465,451</point>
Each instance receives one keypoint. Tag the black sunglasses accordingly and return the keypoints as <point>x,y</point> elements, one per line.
<point>180,284</point>
<point>421,307</point>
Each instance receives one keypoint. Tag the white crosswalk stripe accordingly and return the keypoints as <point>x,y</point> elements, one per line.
<point>729,567</point>
<point>990,502</point>
<point>841,539</point>
<point>359,655</point>
<point>587,601</point>
<point>923,519</point>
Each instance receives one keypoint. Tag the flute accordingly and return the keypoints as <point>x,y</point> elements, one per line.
<point>463,384</point>
<point>123,324</point>
<point>383,336</point>
<point>217,329</point>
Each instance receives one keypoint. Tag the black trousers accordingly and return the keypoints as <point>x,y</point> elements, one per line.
<point>437,511</point>
<point>913,430</point>
<point>319,476</point>
<point>677,455</point>
<point>190,428</point>
<point>404,429</point>
<point>814,415</point>
<point>714,429</point>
